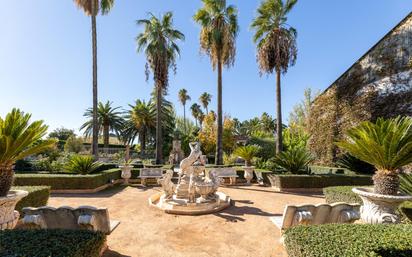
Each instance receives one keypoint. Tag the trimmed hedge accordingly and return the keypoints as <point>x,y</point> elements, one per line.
<point>56,243</point>
<point>328,170</point>
<point>67,181</point>
<point>38,196</point>
<point>341,194</point>
<point>349,240</point>
<point>285,181</point>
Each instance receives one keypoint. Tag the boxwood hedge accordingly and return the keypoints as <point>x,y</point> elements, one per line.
<point>286,181</point>
<point>67,181</point>
<point>349,240</point>
<point>341,194</point>
<point>38,196</point>
<point>56,243</point>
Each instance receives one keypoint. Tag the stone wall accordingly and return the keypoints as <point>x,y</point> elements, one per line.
<point>379,84</point>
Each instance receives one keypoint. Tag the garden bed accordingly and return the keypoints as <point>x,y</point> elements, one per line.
<point>316,183</point>
<point>56,243</point>
<point>349,240</point>
<point>38,196</point>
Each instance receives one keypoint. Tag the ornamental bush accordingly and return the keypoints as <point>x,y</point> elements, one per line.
<point>37,197</point>
<point>53,242</point>
<point>349,240</point>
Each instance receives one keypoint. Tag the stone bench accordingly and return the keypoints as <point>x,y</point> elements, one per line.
<point>310,214</point>
<point>226,173</point>
<point>146,173</point>
<point>83,217</point>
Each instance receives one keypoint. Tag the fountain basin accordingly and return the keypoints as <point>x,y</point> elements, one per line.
<point>183,207</point>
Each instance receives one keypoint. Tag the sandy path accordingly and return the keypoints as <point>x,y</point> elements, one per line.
<point>241,230</point>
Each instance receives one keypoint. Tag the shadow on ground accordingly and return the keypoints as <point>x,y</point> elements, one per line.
<point>234,213</point>
<point>111,253</point>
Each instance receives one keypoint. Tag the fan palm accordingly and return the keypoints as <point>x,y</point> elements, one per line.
<point>109,120</point>
<point>247,153</point>
<point>183,98</point>
<point>219,28</point>
<point>195,108</point>
<point>158,41</point>
<point>92,8</point>
<point>276,47</point>
<point>386,144</point>
<point>205,99</point>
<point>18,139</point>
<point>143,119</point>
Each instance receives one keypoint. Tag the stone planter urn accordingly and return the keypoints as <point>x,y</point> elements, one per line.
<point>248,173</point>
<point>8,216</point>
<point>379,209</point>
<point>126,173</point>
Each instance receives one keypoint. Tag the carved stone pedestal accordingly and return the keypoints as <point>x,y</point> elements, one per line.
<point>379,209</point>
<point>8,216</point>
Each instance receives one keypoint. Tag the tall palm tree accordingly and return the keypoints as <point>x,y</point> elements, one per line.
<point>205,99</point>
<point>92,8</point>
<point>109,119</point>
<point>195,108</point>
<point>158,41</point>
<point>276,47</point>
<point>201,116</point>
<point>219,29</point>
<point>183,98</point>
<point>143,120</point>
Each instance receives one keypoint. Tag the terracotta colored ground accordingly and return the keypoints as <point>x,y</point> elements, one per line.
<point>241,230</point>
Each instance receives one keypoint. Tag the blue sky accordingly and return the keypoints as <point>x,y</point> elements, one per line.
<point>45,55</point>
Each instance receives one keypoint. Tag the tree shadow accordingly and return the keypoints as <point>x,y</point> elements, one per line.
<point>111,253</point>
<point>311,194</point>
<point>235,213</point>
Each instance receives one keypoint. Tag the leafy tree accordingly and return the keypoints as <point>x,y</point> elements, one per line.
<point>208,133</point>
<point>300,114</point>
<point>205,99</point>
<point>73,145</point>
<point>219,28</point>
<point>19,138</point>
<point>276,47</point>
<point>109,120</point>
<point>92,8</point>
<point>62,134</point>
<point>183,98</point>
<point>158,41</point>
<point>386,144</point>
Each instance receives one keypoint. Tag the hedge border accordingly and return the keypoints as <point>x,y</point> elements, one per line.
<point>38,196</point>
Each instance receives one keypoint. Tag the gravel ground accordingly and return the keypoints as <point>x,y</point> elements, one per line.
<point>243,229</point>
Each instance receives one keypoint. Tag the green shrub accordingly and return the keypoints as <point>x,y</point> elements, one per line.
<point>53,242</point>
<point>247,153</point>
<point>83,164</point>
<point>67,181</point>
<point>294,160</point>
<point>314,169</point>
<point>341,194</point>
<point>349,240</point>
<point>38,196</point>
<point>73,145</point>
<point>285,181</point>
<point>406,183</point>
<point>267,147</point>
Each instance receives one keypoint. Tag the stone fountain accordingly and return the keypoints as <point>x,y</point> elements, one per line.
<point>196,191</point>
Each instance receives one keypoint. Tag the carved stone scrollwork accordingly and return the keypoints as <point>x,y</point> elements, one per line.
<point>302,217</point>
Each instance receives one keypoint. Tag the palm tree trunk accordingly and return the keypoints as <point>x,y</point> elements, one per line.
<point>95,136</point>
<point>6,179</point>
<point>127,153</point>
<point>207,110</point>
<point>159,139</point>
<point>184,118</point>
<point>278,113</point>
<point>143,144</point>
<point>106,137</point>
<point>219,143</point>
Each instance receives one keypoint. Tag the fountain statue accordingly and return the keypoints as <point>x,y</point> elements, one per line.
<point>196,191</point>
